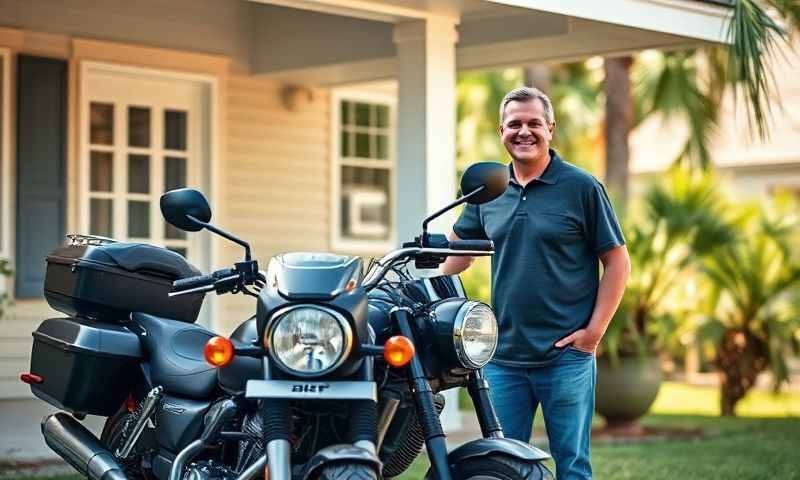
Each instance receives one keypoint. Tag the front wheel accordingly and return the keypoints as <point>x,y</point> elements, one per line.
<point>499,466</point>
<point>347,471</point>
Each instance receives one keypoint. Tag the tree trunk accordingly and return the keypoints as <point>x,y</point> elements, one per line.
<point>619,116</point>
<point>741,356</point>
<point>538,76</point>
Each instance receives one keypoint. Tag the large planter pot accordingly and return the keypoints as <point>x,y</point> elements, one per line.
<point>626,391</point>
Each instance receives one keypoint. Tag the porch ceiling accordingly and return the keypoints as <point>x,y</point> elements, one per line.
<point>344,41</point>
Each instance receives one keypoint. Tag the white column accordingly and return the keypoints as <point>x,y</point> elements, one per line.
<point>426,121</point>
<point>426,140</point>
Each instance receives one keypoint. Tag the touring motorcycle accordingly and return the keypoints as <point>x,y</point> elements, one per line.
<point>337,376</point>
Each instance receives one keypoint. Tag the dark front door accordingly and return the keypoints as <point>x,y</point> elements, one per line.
<point>41,168</point>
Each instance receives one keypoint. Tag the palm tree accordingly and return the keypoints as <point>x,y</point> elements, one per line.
<point>691,84</point>
<point>753,307</point>
<point>619,121</point>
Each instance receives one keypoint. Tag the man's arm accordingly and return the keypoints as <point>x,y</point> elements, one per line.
<point>455,265</point>
<point>616,269</point>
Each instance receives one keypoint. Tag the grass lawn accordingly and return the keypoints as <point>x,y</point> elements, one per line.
<point>762,443</point>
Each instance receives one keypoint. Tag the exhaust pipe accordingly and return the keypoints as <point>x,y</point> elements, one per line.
<point>80,448</point>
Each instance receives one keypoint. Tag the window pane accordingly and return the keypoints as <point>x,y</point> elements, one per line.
<point>138,127</point>
<point>383,116</point>
<point>347,146</point>
<point>100,217</point>
<point>138,174</point>
<point>383,146</point>
<point>175,130</point>
<point>138,219</point>
<point>174,177</point>
<point>174,173</point>
<point>346,109</point>
<point>365,203</point>
<point>102,172</point>
<point>101,120</point>
<point>362,114</point>
<point>362,145</point>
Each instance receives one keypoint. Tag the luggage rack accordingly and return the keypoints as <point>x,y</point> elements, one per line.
<point>79,239</point>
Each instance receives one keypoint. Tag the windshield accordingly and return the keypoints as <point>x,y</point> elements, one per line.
<point>313,275</point>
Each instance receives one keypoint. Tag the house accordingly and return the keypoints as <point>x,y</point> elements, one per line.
<point>322,125</point>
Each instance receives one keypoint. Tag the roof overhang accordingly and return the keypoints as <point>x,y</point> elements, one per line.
<point>345,41</point>
<point>692,19</point>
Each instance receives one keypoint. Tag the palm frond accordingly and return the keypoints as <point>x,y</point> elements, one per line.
<point>753,37</point>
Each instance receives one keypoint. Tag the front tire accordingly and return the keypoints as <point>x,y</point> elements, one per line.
<point>500,467</point>
<point>347,471</point>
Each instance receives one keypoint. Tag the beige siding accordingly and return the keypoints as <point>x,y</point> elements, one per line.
<point>16,342</point>
<point>276,180</point>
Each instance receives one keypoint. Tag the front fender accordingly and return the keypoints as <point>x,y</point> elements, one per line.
<point>485,446</point>
<point>340,453</point>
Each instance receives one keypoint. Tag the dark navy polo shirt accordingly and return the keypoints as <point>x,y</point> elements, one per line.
<point>548,237</point>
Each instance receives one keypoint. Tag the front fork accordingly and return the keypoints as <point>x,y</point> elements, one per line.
<point>277,426</point>
<point>435,439</point>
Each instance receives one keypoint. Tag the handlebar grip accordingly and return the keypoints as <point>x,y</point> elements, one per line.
<point>477,245</point>
<point>192,282</point>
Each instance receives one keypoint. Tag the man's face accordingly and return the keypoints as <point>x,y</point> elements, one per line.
<point>525,132</point>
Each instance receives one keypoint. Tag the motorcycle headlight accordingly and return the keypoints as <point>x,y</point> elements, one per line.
<point>475,334</point>
<point>308,340</point>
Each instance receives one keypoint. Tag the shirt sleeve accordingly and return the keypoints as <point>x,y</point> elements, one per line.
<point>603,229</point>
<point>469,225</point>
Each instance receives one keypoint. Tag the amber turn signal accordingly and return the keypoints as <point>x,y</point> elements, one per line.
<point>398,351</point>
<point>218,351</point>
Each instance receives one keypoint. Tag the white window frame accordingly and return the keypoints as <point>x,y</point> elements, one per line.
<point>204,173</point>
<point>338,242</point>
<point>194,172</point>
<point>5,156</point>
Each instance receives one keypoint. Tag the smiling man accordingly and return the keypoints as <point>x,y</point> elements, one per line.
<point>551,228</point>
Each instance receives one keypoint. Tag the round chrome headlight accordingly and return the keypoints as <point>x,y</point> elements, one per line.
<point>308,340</point>
<point>475,334</point>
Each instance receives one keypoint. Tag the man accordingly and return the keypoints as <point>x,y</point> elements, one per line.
<point>551,228</point>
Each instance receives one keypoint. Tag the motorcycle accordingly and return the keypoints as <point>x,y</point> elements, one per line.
<point>337,375</point>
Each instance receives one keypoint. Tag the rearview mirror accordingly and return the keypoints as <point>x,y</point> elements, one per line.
<point>491,178</point>
<point>186,209</point>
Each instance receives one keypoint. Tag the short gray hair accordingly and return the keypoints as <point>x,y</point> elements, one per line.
<point>526,94</point>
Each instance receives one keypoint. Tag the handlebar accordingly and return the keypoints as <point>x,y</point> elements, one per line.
<point>192,282</point>
<point>381,267</point>
<point>206,283</point>
<point>479,245</point>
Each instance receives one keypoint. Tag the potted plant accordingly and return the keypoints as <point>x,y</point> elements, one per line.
<point>682,220</point>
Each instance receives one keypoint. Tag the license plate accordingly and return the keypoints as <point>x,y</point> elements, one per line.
<point>305,390</point>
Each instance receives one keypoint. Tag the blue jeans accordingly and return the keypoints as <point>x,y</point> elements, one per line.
<point>565,389</point>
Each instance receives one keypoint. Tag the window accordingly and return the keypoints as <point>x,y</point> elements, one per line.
<point>363,171</point>
<point>129,169</point>
<point>142,135</point>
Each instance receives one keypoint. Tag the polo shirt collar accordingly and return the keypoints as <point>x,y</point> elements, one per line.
<point>550,174</point>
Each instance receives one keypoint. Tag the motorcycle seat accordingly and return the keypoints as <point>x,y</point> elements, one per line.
<point>174,350</point>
